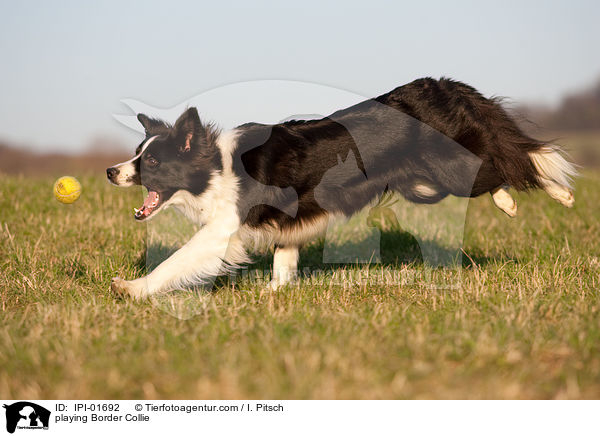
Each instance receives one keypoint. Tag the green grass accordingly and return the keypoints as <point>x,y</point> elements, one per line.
<point>524,323</point>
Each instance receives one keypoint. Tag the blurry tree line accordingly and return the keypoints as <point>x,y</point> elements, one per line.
<point>579,111</point>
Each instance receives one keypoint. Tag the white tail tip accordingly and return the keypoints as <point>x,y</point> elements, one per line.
<point>552,165</point>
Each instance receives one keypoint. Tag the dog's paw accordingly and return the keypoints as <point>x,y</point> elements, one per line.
<point>504,201</point>
<point>274,285</point>
<point>127,289</point>
<point>511,209</point>
<point>278,284</point>
<point>567,199</point>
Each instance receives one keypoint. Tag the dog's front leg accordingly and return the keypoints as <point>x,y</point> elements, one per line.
<point>285,266</point>
<point>203,256</point>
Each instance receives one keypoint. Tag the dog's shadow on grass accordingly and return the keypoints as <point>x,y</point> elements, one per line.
<point>397,248</point>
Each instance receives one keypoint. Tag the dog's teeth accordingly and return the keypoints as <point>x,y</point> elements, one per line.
<point>136,210</point>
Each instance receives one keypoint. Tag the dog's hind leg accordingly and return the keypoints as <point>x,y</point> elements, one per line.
<point>285,266</point>
<point>504,201</point>
<point>560,193</point>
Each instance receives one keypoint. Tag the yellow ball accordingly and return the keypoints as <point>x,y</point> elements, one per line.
<point>67,189</point>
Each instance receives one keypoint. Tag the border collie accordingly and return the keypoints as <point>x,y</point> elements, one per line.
<point>279,184</point>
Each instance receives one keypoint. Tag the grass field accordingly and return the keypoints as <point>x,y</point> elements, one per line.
<point>525,322</point>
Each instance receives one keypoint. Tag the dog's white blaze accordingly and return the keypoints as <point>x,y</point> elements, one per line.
<point>137,156</point>
<point>127,168</point>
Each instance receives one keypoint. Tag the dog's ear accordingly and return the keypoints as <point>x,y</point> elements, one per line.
<point>152,126</point>
<point>189,131</point>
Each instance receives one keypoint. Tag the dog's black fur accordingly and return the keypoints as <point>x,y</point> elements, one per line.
<point>426,140</point>
<point>397,144</point>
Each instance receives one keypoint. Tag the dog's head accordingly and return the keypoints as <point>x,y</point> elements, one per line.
<point>170,159</point>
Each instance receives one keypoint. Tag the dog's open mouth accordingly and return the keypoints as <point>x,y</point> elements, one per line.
<point>151,203</point>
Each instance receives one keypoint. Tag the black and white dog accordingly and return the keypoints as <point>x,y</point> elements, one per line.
<point>279,184</point>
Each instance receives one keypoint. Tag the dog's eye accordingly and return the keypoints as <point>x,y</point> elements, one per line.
<point>150,160</point>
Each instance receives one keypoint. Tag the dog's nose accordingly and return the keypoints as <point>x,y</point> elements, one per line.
<point>112,172</point>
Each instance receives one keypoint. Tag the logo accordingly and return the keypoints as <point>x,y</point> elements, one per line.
<point>26,415</point>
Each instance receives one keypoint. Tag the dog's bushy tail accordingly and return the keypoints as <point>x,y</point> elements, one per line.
<point>552,165</point>
<point>525,162</point>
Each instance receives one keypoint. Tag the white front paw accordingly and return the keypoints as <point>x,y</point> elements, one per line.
<point>274,285</point>
<point>135,289</point>
<point>281,281</point>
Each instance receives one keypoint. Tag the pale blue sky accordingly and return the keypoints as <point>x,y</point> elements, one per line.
<point>65,65</point>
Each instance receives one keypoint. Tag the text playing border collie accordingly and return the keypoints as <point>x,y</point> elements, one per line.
<point>279,184</point>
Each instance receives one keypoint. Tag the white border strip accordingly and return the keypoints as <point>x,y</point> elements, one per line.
<point>287,417</point>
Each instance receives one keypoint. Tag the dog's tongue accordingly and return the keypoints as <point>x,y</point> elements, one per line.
<point>150,202</point>
<point>151,199</point>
